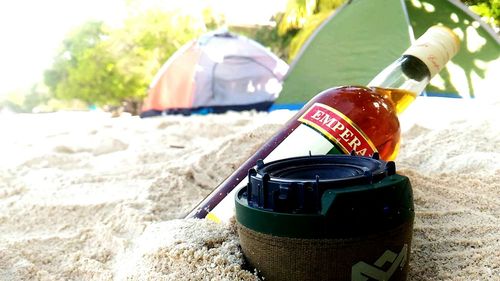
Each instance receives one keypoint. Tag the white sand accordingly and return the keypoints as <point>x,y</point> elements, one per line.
<point>88,197</point>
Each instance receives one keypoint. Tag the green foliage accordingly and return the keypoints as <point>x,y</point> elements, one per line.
<point>299,12</point>
<point>489,10</point>
<point>25,100</point>
<point>267,36</point>
<point>79,63</point>
<point>105,66</point>
<point>300,20</point>
<point>309,27</point>
<point>148,40</point>
<point>13,101</point>
<point>78,41</point>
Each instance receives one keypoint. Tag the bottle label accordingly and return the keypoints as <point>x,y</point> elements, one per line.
<point>338,128</point>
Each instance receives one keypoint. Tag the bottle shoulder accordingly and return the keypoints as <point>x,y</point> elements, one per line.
<point>358,102</point>
<point>353,95</point>
<point>369,110</point>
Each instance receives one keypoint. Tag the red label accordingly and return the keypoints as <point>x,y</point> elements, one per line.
<point>338,128</point>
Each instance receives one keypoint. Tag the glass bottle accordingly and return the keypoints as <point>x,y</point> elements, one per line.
<point>348,119</point>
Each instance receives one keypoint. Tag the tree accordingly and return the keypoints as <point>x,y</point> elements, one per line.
<point>489,10</point>
<point>301,18</point>
<point>25,100</point>
<point>104,66</point>
<point>82,68</point>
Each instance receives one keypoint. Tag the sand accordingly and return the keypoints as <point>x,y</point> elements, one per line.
<point>84,196</point>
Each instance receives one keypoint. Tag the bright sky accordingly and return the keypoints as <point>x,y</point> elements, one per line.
<point>31,30</point>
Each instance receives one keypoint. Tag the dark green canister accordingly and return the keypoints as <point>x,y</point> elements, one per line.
<point>333,217</point>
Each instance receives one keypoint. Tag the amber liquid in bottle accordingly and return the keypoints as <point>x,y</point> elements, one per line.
<point>373,110</point>
<point>338,119</point>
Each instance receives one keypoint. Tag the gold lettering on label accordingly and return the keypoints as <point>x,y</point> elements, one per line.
<point>338,126</point>
<point>346,135</point>
<point>355,142</point>
<point>328,120</point>
<point>317,115</point>
<point>330,123</point>
<point>361,152</point>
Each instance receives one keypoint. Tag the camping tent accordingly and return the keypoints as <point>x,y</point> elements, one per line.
<point>217,72</point>
<point>362,37</point>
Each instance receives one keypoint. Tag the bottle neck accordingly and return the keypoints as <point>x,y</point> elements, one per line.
<point>402,81</point>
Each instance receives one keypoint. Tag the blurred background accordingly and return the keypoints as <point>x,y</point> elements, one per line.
<point>82,55</point>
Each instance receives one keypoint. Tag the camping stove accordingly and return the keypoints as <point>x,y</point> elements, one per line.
<point>334,217</point>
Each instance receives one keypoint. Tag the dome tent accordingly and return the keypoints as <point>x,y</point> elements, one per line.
<point>219,71</point>
<point>362,37</point>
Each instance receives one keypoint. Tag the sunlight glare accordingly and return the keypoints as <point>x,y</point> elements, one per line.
<point>30,36</point>
<point>459,33</point>
<point>273,86</point>
<point>489,83</point>
<point>250,87</point>
<point>31,30</point>
<point>429,7</point>
<point>481,64</point>
<point>474,41</point>
<point>438,82</point>
<point>416,3</point>
<point>458,78</point>
<point>248,12</point>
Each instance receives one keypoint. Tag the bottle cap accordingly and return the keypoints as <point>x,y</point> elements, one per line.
<point>325,217</point>
<point>435,47</point>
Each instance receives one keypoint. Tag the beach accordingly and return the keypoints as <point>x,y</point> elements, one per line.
<point>84,196</point>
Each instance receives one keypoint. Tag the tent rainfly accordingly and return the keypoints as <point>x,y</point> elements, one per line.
<point>219,71</point>
<point>363,36</point>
